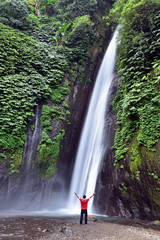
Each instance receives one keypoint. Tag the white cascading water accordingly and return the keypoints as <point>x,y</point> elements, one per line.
<point>31,143</point>
<point>90,151</point>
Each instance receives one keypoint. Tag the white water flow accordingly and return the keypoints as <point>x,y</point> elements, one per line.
<point>32,140</point>
<point>90,151</point>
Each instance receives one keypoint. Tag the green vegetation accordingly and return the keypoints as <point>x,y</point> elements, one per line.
<point>137,101</point>
<point>44,46</point>
<point>46,117</point>
<point>59,94</point>
<point>49,147</point>
<point>29,71</point>
<point>48,153</point>
<point>82,33</point>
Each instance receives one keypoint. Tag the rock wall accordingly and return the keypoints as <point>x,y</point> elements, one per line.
<point>79,97</point>
<point>105,182</point>
<point>120,191</point>
<point>137,197</point>
<point>18,190</point>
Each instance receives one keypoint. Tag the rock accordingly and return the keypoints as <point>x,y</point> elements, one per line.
<point>66,230</point>
<point>139,223</point>
<point>46,230</point>
<point>92,218</point>
<point>156,222</point>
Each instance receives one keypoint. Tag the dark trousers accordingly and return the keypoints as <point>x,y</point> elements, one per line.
<point>83,211</point>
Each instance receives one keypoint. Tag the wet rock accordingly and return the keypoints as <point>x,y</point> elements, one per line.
<point>105,180</point>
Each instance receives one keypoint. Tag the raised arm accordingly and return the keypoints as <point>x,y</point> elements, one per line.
<point>92,195</point>
<point>76,195</point>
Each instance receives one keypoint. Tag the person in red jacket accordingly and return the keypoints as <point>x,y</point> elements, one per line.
<point>84,206</point>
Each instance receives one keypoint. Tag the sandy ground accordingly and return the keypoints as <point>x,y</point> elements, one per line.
<point>102,231</point>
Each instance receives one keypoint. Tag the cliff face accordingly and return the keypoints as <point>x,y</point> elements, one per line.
<point>120,192</point>
<point>46,86</point>
<point>136,178</point>
<point>105,181</point>
<point>79,98</point>
<point>31,182</point>
<point>137,197</point>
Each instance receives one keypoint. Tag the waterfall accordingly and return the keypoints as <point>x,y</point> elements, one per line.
<point>91,148</point>
<point>22,190</point>
<point>32,140</point>
<point>29,148</point>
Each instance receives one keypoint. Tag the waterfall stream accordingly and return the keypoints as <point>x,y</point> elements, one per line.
<point>29,147</point>
<point>91,147</point>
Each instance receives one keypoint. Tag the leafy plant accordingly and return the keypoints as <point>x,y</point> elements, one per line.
<point>14,13</point>
<point>82,33</point>
<point>137,103</point>
<point>48,153</point>
<point>37,4</point>
<point>61,34</point>
<point>33,68</point>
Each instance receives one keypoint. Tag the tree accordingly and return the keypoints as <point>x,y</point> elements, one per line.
<point>14,12</point>
<point>37,4</point>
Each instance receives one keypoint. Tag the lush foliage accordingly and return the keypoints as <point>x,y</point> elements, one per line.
<point>58,26</point>
<point>70,9</point>
<point>49,146</point>
<point>29,72</point>
<point>44,45</point>
<point>48,153</point>
<point>137,102</point>
<point>82,33</point>
<point>14,13</point>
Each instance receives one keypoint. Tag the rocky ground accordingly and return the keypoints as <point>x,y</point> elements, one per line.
<point>102,231</point>
<point>48,228</point>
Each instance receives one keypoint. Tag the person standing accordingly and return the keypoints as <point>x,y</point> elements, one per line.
<point>84,206</point>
